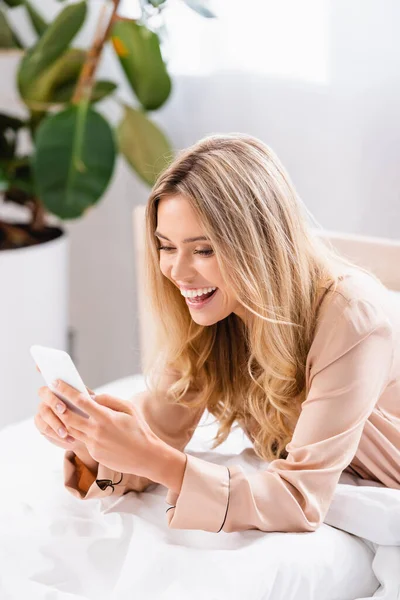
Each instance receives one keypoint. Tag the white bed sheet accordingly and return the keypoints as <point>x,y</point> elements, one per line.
<point>56,547</point>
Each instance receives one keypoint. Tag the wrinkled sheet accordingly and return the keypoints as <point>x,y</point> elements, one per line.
<point>56,547</point>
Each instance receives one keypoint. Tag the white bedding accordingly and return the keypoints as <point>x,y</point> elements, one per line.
<point>55,547</point>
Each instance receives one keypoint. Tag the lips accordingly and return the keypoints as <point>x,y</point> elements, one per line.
<point>194,303</point>
<point>202,297</point>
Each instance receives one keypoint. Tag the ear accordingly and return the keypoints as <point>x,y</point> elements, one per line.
<point>114,403</point>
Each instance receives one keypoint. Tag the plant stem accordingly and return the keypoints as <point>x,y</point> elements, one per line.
<point>86,78</point>
<point>38,215</point>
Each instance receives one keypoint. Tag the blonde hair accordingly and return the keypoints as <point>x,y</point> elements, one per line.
<point>269,257</point>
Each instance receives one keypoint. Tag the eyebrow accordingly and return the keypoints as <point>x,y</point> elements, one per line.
<point>186,240</point>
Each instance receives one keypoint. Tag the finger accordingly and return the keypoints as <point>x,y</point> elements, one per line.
<point>89,406</point>
<point>77,434</point>
<point>51,400</point>
<point>37,368</point>
<point>46,432</point>
<point>73,434</point>
<point>74,423</point>
<point>114,403</point>
<point>44,390</point>
<point>48,424</point>
<point>60,443</point>
<point>77,425</point>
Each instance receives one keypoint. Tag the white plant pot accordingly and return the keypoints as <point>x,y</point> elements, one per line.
<point>33,288</point>
<point>33,310</point>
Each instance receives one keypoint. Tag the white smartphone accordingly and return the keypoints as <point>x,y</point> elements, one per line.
<point>57,364</point>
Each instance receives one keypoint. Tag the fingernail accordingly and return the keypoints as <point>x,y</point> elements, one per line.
<point>60,407</point>
<point>62,432</point>
<point>54,383</point>
<point>70,439</point>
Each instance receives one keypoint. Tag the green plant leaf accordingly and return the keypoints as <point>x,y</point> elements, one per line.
<point>12,3</point>
<point>21,178</point>
<point>3,180</point>
<point>144,145</point>
<point>38,23</point>
<point>138,50</point>
<point>17,178</point>
<point>201,7</point>
<point>100,90</point>
<point>6,34</point>
<point>8,37</point>
<point>73,161</point>
<point>50,46</point>
<point>65,70</point>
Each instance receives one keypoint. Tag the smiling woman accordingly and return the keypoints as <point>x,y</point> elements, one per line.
<point>261,323</point>
<point>241,253</point>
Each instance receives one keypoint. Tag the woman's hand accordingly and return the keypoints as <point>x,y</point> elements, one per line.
<point>115,434</point>
<point>48,422</point>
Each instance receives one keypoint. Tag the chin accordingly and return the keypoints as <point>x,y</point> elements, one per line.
<point>207,320</point>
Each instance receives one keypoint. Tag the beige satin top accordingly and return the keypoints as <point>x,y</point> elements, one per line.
<point>350,420</point>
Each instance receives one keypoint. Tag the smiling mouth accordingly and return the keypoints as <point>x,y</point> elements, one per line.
<point>199,300</point>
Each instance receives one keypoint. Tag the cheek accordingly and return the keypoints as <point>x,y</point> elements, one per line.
<point>165,267</point>
<point>208,270</point>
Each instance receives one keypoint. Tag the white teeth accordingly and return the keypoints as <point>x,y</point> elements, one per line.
<point>194,293</point>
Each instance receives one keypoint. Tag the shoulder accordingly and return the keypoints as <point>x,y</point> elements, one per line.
<point>358,298</point>
<point>349,314</point>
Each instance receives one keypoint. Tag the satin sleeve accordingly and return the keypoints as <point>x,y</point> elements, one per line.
<point>174,424</point>
<point>349,364</point>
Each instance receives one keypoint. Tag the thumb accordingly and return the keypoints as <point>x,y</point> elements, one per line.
<point>114,403</point>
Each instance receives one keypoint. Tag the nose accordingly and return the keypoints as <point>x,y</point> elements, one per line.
<point>181,269</point>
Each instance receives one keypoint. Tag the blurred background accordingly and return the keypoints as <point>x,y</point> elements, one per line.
<point>317,80</point>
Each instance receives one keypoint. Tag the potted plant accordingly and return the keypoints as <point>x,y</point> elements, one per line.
<point>70,161</point>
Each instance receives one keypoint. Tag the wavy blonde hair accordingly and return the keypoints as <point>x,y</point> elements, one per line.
<point>269,257</point>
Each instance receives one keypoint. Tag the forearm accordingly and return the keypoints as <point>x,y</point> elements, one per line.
<point>168,466</point>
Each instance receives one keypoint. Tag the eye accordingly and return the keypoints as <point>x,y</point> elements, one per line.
<point>202,252</point>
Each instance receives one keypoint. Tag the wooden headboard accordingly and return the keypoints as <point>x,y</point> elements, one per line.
<point>379,255</point>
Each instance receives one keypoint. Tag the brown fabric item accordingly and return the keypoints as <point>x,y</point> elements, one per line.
<point>85,477</point>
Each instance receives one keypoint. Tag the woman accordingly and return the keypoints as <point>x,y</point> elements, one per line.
<point>262,324</point>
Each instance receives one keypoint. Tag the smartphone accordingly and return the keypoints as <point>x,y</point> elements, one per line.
<point>57,364</point>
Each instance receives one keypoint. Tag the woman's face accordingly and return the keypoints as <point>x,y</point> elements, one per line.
<point>192,265</point>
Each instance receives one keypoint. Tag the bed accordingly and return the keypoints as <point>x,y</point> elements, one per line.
<point>55,547</point>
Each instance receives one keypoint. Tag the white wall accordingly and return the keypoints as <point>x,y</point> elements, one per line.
<point>329,107</point>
